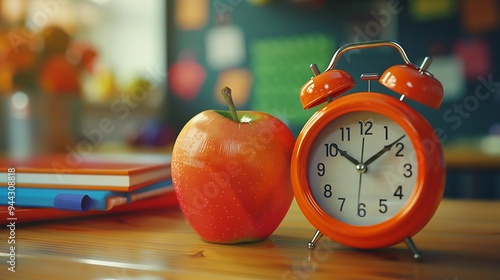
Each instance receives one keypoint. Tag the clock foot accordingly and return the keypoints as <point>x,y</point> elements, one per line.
<point>312,244</point>
<point>417,255</point>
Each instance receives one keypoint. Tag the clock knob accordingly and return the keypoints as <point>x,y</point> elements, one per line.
<point>415,83</point>
<point>324,86</point>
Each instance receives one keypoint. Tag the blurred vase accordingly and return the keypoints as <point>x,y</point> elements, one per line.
<point>59,122</point>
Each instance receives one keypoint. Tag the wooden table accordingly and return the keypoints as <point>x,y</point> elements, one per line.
<point>462,241</point>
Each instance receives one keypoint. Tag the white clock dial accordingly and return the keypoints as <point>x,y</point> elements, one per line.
<point>362,168</point>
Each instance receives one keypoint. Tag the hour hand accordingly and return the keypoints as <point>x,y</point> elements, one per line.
<point>383,151</point>
<point>347,156</point>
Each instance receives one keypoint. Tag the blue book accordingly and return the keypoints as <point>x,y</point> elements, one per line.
<point>81,199</point>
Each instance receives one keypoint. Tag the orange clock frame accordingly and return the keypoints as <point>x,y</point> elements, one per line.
<point>421,204</point>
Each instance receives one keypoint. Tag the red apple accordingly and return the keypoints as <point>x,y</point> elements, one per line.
<point>186,77</point>
<point>231,174</point>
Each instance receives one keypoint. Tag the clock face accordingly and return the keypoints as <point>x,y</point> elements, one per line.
<point>362,168</point>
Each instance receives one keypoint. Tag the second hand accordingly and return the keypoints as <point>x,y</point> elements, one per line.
<point>361,174</point>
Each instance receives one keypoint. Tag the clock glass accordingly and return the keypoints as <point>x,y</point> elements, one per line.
<point>362,168</point>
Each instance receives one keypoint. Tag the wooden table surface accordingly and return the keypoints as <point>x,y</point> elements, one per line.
<point>462,241</point>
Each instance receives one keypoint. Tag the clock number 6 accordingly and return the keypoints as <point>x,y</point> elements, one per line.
<point>361,210</point>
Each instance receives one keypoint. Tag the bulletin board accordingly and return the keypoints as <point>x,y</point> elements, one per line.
<point>262,49</point>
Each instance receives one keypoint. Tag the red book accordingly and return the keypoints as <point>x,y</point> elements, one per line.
<point>97,172</point>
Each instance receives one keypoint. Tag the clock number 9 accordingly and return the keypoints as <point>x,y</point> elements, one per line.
<point>321,169</point>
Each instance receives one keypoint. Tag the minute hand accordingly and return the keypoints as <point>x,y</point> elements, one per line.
<point>347,156</point>
<point>383,151</point>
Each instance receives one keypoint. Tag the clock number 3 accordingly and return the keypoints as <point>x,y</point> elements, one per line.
<point>408,172</point>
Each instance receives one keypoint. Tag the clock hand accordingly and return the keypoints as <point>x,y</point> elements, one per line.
<point>383,151</point>
<point>361,172</point>
<point>347,156</point>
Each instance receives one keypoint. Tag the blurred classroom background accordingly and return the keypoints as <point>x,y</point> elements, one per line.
<point>91,75</point>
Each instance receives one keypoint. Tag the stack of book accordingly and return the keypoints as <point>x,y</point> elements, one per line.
<point>70,185</point>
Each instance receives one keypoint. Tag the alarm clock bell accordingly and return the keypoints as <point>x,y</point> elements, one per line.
<point>411,81</point>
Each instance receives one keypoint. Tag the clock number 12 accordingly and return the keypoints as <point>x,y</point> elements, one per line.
<point>365,127</point>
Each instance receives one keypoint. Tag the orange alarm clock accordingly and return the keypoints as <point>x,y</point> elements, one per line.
<point>367,169</point>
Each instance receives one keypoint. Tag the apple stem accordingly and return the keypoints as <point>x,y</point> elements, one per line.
<point>226,93</point>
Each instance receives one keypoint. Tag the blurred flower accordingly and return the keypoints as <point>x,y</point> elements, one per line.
<point>47,62</point>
